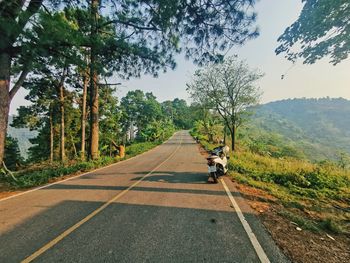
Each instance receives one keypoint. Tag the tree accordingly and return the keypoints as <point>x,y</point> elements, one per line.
<point>139,109</point>
<point>128,38</point>
<point>322,29</point>
<point>179,112</point>
<point>12,154</point>
<point>42,113</point>
<point>210,127</point>
<point>229,88</point>
<point>109,124</point>
<point>14,16</point>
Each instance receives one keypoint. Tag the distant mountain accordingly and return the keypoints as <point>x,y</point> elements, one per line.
<point>320,128</point>
<point>22,135</point>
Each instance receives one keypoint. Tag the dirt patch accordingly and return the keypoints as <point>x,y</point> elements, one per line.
<point>6,191</point>
<point>298,244</point>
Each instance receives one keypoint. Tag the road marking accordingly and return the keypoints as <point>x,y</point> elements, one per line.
<point>91,215</point>
<point>258,249</point>
<point>79,175</point>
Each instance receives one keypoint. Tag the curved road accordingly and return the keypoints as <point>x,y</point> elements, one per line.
<point>156,207</point>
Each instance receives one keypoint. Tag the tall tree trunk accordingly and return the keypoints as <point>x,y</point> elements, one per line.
<point>233,138</point>
<point>224,133</point>
<point>51,135</point>
<point>94,118</point>
<point>5,99</point>
<point>83,116</point>
<point>62,135</point>
<point>73,146</point>
<point>94,127</point>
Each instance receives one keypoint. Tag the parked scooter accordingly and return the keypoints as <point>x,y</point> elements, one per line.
<point>217,162</point>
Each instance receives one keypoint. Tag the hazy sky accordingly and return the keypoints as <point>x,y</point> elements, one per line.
<point>319,80</point>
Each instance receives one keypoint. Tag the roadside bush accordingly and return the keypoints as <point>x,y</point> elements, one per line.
<point>300,177</point>
<point>137,148</point>
<point>44,174</point>
<point>157,131</point>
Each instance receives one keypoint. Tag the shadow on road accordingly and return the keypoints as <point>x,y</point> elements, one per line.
<point>136,188</point>
<point>134,233</point>
<point>174,177</point>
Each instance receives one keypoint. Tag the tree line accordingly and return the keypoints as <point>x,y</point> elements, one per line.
<point>138,116</point>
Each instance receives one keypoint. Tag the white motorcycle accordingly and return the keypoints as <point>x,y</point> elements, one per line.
<point>217,162</point>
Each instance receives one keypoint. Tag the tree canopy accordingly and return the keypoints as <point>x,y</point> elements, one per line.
<point>229,88</point>
<point>322,30</point>
<point>103,38</point>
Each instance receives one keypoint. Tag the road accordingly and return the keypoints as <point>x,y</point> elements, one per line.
<point>156,207</point>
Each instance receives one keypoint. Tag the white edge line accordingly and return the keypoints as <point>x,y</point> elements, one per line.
<point>79,175</point>
<point>258,249</point>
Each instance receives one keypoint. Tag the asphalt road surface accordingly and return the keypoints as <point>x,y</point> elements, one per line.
<point>156,207</point>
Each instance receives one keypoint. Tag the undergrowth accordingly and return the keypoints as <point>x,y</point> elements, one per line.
<point>44,173</point>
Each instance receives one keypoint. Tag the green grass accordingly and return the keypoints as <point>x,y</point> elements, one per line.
<point>42,174</point>
<point>299,177</point>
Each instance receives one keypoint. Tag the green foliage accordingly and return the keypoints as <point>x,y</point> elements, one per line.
<point>12,154</point>
<point>330,225</point>
<point>123,38</point>
<point>109,124</point>
<point>268,143</point>
<point>23,136</point>
<point>299,177</point>
<point>321,30</point>
<point>157,131</point>
<point>210,130</point>
<point>228,88</point>
<point>44,173</point>
<point>343,160</point>
<point>180,113</point>
<point>139,147</point>
<point>40,149</point>
<point>140,109</point>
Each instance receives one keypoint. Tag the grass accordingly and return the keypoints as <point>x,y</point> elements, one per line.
<point>301,178</point>
<point>44,173</point>
<point>301,187</point>
<point>309,192</point>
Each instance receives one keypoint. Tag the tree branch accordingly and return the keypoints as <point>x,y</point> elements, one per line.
<point>129,24</point>
<point>19,82</point>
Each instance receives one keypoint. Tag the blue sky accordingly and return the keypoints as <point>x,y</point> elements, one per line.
<point>318,80</point>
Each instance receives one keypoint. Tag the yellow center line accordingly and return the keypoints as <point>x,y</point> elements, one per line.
<point>94,213</point>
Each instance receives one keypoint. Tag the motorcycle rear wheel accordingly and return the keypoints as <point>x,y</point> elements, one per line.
<point>220,170</point>
<point>214,176</point>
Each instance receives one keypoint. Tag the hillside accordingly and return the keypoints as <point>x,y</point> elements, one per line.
<point>22,135</point>
<point>316,128</point>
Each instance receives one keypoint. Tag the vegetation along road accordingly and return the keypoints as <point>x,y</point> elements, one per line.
<point>156,207</point>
